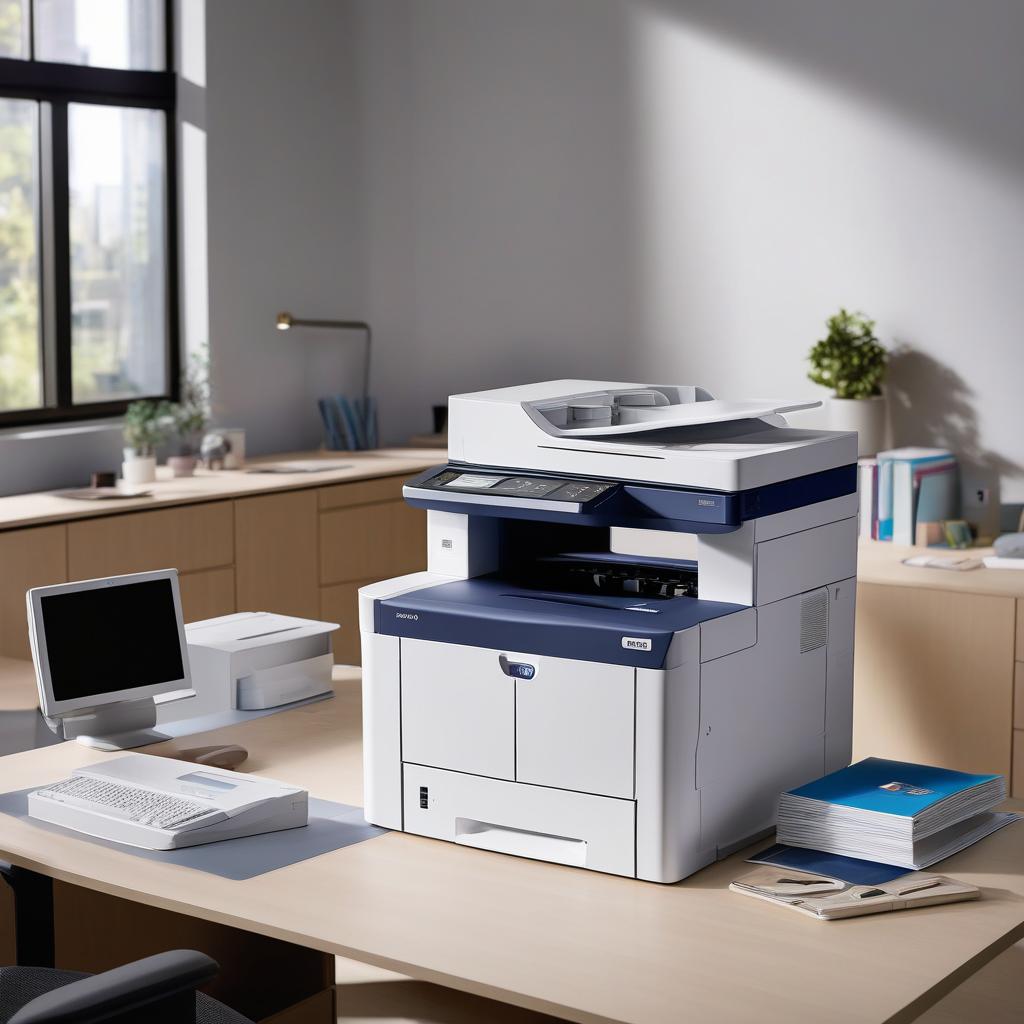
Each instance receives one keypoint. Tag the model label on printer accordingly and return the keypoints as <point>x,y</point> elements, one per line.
<point>706,501</point>
<point>407,615</point>
<point>636,643</point>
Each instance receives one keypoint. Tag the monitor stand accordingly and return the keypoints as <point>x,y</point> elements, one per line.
<point>120,726</point>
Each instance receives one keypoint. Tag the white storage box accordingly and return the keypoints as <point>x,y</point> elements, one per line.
<point>256,660</point>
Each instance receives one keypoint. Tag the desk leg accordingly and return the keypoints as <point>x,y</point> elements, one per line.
<point>33,915</point>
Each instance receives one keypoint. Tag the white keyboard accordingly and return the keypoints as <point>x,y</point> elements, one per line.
<point>132,803</point>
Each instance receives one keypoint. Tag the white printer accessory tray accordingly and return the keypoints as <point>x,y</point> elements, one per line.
<point>238,805</point>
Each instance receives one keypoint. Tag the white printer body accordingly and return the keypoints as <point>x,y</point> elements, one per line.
<point>563,683</point>
<point>255,660</point>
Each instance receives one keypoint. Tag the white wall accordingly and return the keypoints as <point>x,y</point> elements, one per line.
<point>684,190</point>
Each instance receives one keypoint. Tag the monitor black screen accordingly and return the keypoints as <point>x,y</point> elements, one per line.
<point>111,638</point>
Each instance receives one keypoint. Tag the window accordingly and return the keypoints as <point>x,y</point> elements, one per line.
<point>88,289</point>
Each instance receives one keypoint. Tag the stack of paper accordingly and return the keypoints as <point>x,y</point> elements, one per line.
<point>892,811</point>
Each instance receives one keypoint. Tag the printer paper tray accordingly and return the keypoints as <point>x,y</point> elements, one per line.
<point>556,825</point>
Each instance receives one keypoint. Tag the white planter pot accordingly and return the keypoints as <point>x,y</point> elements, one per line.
<point>139,469</point>
<point>864,415</point>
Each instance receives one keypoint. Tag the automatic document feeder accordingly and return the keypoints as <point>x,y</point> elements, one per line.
<point>635,630</point>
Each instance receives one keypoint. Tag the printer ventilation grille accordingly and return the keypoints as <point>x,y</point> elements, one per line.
<point>813,621</point>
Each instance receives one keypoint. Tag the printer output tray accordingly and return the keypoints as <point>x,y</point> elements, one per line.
<point>493,612</point>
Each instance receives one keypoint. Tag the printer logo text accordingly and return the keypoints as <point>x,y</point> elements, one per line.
<point>407,615</point>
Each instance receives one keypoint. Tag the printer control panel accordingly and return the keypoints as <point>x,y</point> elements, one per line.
<point>578,492</point>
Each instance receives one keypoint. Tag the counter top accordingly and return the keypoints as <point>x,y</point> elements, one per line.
<point>20,510</point>
<point>882,562</point>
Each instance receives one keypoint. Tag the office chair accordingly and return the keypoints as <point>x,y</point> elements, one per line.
<point>160,989</point>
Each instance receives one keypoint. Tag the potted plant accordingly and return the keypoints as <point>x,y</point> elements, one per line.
<point>146,424</point>
<point>851,361</point>
<point>191,415</point>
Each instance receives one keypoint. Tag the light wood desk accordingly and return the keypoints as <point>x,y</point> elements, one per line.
<point>939,665</point>
<point>582,946</point>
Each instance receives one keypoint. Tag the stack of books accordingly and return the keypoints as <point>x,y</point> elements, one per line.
<point>893,812</point>
<point>904,490</point>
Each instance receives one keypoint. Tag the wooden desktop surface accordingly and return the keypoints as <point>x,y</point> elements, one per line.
<point>882,562</point>
<point>213,485</point>
<point>580,945</point>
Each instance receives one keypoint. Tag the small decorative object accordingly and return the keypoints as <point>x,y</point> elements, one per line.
<point>958,533</point>
<point>214,450</point>
<point>235,457</point>
<point>103,478</point>
<point>146,424</point>
<point>191,414</point>
<point>850,361</point>
<point>1010,545</point>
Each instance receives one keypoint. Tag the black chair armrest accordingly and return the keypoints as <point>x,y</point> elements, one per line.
<point>121,991</point>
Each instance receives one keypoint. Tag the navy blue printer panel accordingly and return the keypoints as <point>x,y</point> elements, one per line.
<point>482,491</point>
<point>491,612</point>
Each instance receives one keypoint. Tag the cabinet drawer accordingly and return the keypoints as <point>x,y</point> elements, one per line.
<point>207,594</point>
<point>186,538</point>
<point>586,831</point>
<point>340,604</point>
<point>361,492</point>
<point>36,557</point>
<point>458,709</point>
<point>372,542</point>
<point>1017,783</point>
<point>275,554</point>
<point>1018,694</point>
<point>574,726</point>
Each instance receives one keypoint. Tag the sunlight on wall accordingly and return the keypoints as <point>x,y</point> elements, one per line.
<point>772,195</point>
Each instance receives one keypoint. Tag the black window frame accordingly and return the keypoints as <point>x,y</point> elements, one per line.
<point>58,85</point>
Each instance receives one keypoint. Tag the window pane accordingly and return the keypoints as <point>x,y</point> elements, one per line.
<point>117,180</point>
<point>13,28</point>
<point>20,378</point>
<point>102,33</point>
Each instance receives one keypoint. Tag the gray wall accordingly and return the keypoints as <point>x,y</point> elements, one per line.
<point>683,191</point>
<point>282,203</point>
<point>512,190</point>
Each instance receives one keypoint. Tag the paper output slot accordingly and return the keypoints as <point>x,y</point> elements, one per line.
<point>485,835</point>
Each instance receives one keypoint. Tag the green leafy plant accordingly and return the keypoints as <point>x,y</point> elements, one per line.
<point>191,415</point>
<point>849,359</point>
<point>146,424</point>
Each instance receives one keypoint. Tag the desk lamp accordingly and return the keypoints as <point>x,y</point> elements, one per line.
<point>365,408</point>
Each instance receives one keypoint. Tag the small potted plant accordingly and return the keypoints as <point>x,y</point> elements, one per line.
<point>191,415</point>
<point>851,361</point>
<point>146,424</point>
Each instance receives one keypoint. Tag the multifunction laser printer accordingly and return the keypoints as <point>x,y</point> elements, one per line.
<point>634,632</point>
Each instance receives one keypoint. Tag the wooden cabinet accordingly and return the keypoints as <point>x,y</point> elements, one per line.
<point>276,554</point>
<point>241,543</point>
<point>340,604</point>
<point>348,515</point>
<point>207,594</point>
<point>34,557</point>
<point>939,666</point>
<point>400,546</point>
<point>186,538</point>
<point>933,677</point>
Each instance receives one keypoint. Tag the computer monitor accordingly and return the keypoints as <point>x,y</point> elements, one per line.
<point>103,650</point>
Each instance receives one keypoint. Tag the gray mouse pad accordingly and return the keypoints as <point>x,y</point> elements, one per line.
<point>331,827</point>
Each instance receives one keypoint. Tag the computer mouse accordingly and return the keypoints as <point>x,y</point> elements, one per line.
<point>224,755</point>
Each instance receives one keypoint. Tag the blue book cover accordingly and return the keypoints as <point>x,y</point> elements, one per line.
<point>846,869</point>
<point>891,787</point>
<point>916,457</point>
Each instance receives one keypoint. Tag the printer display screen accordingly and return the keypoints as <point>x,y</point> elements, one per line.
<point>577,491</point>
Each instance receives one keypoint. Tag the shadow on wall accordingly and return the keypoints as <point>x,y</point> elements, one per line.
<point>942,63</point>
<point>931,404</point>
